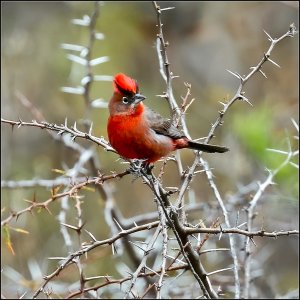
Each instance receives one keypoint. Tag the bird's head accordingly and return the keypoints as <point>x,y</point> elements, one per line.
<point>126,96</point>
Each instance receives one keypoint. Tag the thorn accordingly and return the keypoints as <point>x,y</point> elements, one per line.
<point>48,210</point>
<point>218,271</point>
<point>56,258</point>
<point>163,96</point>
<point>221,232</point>
<point>245,99</point>
<point>138,246</point>
<point>263,73</point>
<point>236,74</point>
<point>34,198</point>
<point>241,225</point>
<point>91,128</point>
<point>251,239</point>
<point>167,8</point>
<point>91,235</point>
<point>151,270</point>
<point>20,123</point>
<point>29,201</point>
<point>273,62</point>
<point>69,226</point>
<point>269,37</point>
<point>66,121</point>
<point>295,124</point>
<point>118,224</point>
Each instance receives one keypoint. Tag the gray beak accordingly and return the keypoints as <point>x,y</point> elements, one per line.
<point>138,98</point>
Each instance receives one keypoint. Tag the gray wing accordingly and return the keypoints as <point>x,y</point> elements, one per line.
<point>162,125</point>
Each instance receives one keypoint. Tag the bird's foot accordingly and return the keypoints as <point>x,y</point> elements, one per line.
<point>139,168</point>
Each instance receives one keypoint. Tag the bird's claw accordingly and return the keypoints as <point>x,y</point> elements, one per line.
<point>139,168</point>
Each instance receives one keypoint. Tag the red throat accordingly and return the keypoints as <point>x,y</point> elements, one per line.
<point>125,84</point>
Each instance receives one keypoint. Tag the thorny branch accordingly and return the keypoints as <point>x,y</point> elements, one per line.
<point>89,76</point>
<point>54,195</point>
<point>149,248</point>
<point>165,65</point>
<point>76,187</point>
<point>88,246</point>
<point>165,71</point>
<point>121,281</point>
<point>240,94</point>
<point>199,161</point>
<point>112,213</point>
<point>163,225</point>
<point>190,255</point>
<point>62,129</point>
<point>250,216</point>
<point>182,266</point>
<point>49,183</point>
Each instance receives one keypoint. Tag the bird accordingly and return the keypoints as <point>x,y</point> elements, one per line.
<point>137,132</point>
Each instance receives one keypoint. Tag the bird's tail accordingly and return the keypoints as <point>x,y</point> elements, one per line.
<point>207,147</point>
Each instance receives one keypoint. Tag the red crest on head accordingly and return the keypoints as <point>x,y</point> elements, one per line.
<point>125,84</point>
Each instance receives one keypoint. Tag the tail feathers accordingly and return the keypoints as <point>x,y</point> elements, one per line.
<point>207,148</point>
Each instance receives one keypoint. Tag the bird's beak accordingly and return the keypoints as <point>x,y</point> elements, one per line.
<point>138,98</point>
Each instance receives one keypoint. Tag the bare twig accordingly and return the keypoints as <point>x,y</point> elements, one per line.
<point>164,231</point>
<point>88,247</point>
<point>70,193</point>
<point>143,262</point>
<point>48,183</point>
<point>251,234</point>
<point>120,281</point>
<point>238,95</point>
<point>250,216</point>
<point>61,129</point>
<point>190,255</point>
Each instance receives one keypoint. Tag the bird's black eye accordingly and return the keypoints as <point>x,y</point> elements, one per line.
<point>125,100</point>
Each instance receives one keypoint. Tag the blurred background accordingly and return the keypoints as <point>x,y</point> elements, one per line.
<point>205,38</point>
